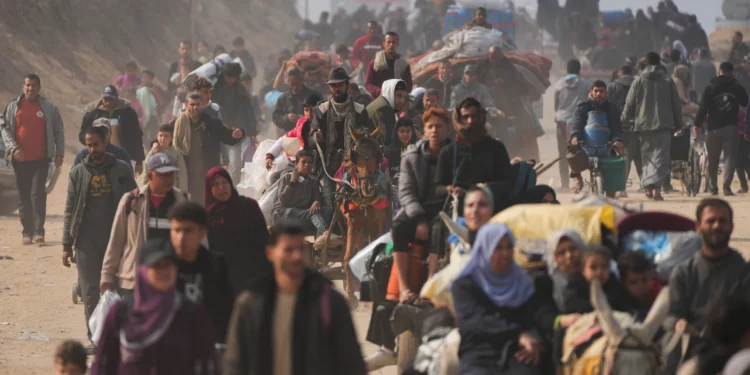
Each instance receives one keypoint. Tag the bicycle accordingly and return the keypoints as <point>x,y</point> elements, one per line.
<point>596,182</point>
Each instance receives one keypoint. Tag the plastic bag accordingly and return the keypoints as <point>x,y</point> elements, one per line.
<point>663,248</point>
<point>96,322</point>
<point>267,201</point>
<point>255,179</point>
<point>358,264</point>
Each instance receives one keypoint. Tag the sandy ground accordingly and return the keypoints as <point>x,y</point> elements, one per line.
<point>37,313</point>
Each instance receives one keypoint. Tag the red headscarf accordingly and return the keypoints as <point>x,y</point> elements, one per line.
<point>231,213</point>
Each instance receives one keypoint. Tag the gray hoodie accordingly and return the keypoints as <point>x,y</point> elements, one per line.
<point>569,91</point>
<point>653,102</point>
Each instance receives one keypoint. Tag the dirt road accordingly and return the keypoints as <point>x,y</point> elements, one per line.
<point>36,311</point>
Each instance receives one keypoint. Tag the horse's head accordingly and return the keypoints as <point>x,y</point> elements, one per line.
<point>365,158</point>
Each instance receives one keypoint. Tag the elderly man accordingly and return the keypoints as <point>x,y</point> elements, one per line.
<point>289,107</point>
<point>470,87</point>
<point>332,125</point>
<point>198,135</point>
<point>125,128</point>
<point>654,106</point>
<point>33,134</point>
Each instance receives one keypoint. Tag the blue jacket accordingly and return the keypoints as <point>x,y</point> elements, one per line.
<point>118,152</point>
<point>613,118</point>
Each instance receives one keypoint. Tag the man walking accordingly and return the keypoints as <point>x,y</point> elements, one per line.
<point>186,58</point>
<point>118,152</point>
<point>387,64</point>
<point>292,319</point>
<point>289,107</point>
<point>721,101</point>
<point>703,71</point>
<point>142,214</point>
<point>125,127</point>
<point>236,112</point>
<point>654,106</point>
<point>94,188</point>
<point>569,91</point>
<point>33,134</point>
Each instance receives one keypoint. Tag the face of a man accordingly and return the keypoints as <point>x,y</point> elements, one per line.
<point>435,130</point>
<point>716,228</point>
<point>469,77</point>
<point>295,83</point>
<point>96,147</point>
<point>194,107</point>
<point>429,101</point>
<point>598,94</point>
<point>304,165</point>
<point>495,54</point>
<point>479,17</point>
<point>202,49</point>
<point>161,182</point>
<point>736,40</point>
<point>109,103</point>
<point>444,71</point>
<point>206,93</point>
<point>230,81</point>
<point>186,238</point>
<point>186,50</point>
<point>469,116</point>
<point>390,44</point>
<point>399,99</point>
<point>31,88</point>
<point>288,255</point>
<point>372,29</point>
<point>337,89</point>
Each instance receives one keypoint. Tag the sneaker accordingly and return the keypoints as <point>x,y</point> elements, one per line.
<point>743,190</point>
<point>382,358</point>
<point>728,193</point>
<point>38,239</point>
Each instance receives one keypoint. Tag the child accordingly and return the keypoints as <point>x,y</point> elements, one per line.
<point>300,131</point>
<point>577,293</point>
<point>130,78</point>
<point>299,196</point>
<point>404,132</point>
<point>639,282</point>
<point>164,139</point>
<point>70,358</point>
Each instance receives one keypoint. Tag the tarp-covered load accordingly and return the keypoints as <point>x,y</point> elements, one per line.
<point>315,66</point>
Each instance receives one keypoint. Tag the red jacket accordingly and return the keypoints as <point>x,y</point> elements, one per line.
<point>374,80</point>
<point>364,50</point>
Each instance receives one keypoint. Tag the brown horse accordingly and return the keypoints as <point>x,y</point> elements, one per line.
<point>366,205</point>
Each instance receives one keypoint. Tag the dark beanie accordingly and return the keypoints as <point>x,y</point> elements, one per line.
<point>232,69</point>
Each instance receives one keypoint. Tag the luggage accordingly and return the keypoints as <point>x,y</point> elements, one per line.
<point>578,160</point>
<point>680,145</point>
<point>457,17</point>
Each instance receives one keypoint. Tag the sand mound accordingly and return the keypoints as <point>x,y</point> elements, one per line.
<point>77,46</point>
<point>720,41</point>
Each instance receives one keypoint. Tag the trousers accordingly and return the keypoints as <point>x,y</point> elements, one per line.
<point>31,177</point>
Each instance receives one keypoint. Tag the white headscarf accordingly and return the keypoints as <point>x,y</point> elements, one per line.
<point>678,45</point>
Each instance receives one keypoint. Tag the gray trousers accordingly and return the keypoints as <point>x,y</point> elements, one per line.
<point>562,151</point>
<point>633,147</point>
<point>725,140</point>
<point>89,261</point>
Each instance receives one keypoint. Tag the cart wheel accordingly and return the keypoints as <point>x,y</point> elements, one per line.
<point>76,293</point>
<point>407,347</point>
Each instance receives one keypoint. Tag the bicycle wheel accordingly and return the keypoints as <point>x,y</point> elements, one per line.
<point>695,172</point>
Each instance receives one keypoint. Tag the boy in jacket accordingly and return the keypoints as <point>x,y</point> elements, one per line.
<point>721,101</point>
<point>94,188</point>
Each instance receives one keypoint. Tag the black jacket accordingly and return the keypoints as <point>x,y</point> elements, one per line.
<point>324,338</point>
<point>485,161</point>
<point>290,103</point>
<point>243,247</point>
<point>205,281</point>
<point>444,88</point>
<point>130,128</point>
<point>721,101</point>
<point>613,118</point>
<point>577,296</point>
<point>214,134</point>
<point>237,110</point>
<point>320,122</point>
<point>617,91</point>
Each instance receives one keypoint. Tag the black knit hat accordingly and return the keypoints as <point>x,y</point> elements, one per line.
<point>232,69</point>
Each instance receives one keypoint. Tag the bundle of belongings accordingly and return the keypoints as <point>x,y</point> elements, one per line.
<point>315,66</point>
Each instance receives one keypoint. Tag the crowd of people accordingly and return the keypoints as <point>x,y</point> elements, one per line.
<point>207,285</point>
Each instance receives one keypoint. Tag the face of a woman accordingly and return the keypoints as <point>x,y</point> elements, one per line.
<point>163,275</point>
<point>477,210</point>
<point>568,256</point>
<point>502,258</point>
<point>221,189</point>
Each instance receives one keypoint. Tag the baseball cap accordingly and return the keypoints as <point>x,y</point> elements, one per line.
<point>103,122</point>
<point>472,69</point>
<point>155,250</point>
<point>161,163</point>
<point>109,91</point>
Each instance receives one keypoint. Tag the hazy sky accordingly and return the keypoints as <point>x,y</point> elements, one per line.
<point>706,10</point>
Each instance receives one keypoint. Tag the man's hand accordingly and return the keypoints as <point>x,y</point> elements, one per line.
<point>315,208</point>
<point>138,168</point>
<point>292,117</point>
<point>568,320</point>
<point>68,257</point>
<point>237,133</point>
<point>295,176</point>
<point>455,190</point>
<point>18,155</point>
<point>406,295</point>
<point>269,164</point>
<point>105,286</point>
<point>58,161</point>
<point>499,114</point>
<point>422,232</point>
<point>155,149</point>
<point>574,141</point>
<point>618,146</point>
<point>319,136</point>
